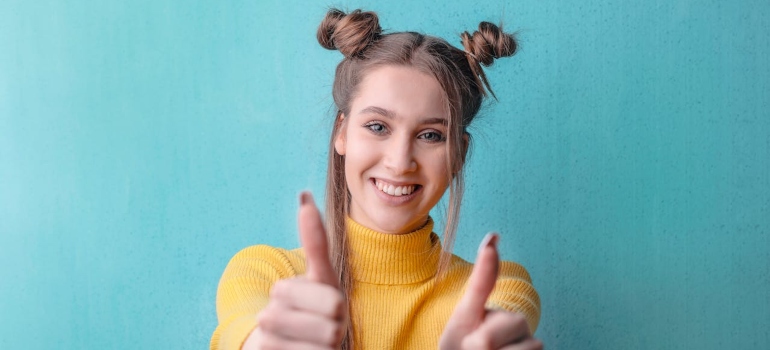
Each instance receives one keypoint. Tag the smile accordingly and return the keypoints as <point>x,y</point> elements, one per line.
<point>395,190</point>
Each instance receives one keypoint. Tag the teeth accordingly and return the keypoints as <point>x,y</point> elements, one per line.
<point>394,190</point>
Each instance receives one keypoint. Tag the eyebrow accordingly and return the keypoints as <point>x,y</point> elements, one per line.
<point>391,115</point>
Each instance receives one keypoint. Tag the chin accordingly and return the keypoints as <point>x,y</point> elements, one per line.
<point>395,223</point>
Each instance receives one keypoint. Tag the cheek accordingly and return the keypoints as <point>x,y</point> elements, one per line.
<point>360,156</point>
<point>435,169</point>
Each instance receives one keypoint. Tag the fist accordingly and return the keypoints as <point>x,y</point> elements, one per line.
<point>472,326</point>
<point>306,312</point>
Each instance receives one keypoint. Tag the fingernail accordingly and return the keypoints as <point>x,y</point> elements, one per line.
<point>304,197</point>
<point>490,240</point>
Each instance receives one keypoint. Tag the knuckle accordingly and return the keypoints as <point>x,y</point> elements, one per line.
<point>518,320</point>
<point>340,334</point>
<point>285,290</point>
<point>480,340</point>
<point>338,305</point>
<point>517,316</point>
<point>335,303</point>
<point>269,317</point>
<point>270,343</point>
<point>330,335</point>
<point>537,344</point>
<point>279,289</point>
<point>265,320</point>
<point>329,292</point>
<point>266,342</point>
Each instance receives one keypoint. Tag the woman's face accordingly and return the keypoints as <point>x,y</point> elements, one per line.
<point>394,143</point>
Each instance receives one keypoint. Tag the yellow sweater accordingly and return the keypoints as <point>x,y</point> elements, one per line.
<point>397,303</point>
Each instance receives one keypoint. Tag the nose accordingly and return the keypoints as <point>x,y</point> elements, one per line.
<point>399,156</point>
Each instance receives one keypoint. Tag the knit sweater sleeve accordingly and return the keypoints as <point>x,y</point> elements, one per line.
<point>514,293</point>
<point>244,290</point>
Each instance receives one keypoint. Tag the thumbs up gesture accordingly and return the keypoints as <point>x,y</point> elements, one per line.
<point>306,312</point>
<point>472,326</point>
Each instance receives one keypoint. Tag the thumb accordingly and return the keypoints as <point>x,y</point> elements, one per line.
<point>312,235</point>
<point>480,283</point>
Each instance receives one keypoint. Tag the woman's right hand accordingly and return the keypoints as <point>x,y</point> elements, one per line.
<point>306,312</point>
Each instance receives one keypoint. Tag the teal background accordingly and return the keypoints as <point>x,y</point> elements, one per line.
<point>144,143</point>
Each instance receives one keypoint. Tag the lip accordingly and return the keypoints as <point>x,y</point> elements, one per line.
<point>394,183</point>
<point>393,200</point>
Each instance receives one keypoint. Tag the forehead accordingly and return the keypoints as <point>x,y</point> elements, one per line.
<point>407,92</point>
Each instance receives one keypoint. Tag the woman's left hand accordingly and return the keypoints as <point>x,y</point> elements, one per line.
<point>472,326</point>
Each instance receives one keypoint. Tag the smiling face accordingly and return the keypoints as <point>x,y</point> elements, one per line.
<point>394,143</point>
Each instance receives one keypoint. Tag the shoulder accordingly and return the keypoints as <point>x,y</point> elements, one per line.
<point>244,290</point>
<point>508,269</point>
<point>514,292</point>
<point>272,262</point>
<point>514,270</point>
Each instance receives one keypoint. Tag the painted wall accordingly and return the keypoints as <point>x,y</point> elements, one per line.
<point>143,143</point>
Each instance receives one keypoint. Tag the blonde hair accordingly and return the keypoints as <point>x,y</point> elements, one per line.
<point>358,36</point>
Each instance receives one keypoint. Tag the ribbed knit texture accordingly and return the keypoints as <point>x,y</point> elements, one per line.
<point>397,302</point>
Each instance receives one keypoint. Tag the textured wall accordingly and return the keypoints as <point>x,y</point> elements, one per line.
<point>143,143</point>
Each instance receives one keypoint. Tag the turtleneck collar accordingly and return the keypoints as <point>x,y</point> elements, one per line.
<point>381,258</point>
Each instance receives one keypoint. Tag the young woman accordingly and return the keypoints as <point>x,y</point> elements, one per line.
<point>383,280</point>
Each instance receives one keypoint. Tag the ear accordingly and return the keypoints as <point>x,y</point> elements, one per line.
<point>339,138</point>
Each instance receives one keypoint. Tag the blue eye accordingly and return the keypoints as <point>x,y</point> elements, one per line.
<point>432,136</point>
<point>375,127</point>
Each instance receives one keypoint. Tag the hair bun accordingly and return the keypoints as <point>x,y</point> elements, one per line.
<point>350,33</point>
<point>488,43</point>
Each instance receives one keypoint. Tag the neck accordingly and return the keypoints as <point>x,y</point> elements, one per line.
<point>381,258</point>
